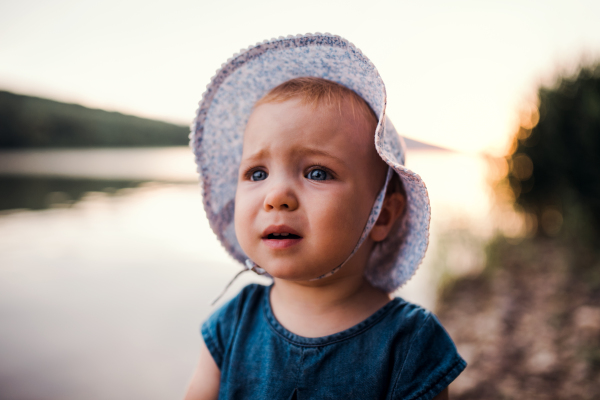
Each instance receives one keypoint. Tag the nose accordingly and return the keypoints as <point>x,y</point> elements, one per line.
<point>281,197</point>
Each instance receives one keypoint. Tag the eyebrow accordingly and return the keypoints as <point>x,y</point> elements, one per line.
<point>318,152</point>
<point>257,156</point>
<point>305,151</point>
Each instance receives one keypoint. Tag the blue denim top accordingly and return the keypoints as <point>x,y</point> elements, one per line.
<point>400,352</point>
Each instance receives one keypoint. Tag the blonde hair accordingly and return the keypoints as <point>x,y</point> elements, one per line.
<point>318,91</point>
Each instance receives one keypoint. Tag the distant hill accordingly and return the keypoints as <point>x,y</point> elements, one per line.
<point>33,122</point>
<point>27,121</point>
<point>416,145</point>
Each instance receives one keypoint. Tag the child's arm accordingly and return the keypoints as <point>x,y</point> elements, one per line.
<point>205,382</point>
<point>443,395</point>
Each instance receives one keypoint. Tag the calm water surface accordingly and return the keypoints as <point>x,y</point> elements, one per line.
<point>106,276</point>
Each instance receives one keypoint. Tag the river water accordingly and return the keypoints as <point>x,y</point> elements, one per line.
<point>108,265</point>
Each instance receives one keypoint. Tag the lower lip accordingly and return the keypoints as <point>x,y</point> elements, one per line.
<point>281,243</point>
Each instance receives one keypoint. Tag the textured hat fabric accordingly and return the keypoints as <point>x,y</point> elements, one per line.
<point>217,138</point>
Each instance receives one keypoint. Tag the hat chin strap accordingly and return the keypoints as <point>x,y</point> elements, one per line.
<point>373,216</point>
<point>250,265</point>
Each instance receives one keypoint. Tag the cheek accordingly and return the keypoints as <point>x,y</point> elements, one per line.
<point>342,215</point>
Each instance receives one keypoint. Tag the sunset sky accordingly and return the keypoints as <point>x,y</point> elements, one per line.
<point>456,73</point>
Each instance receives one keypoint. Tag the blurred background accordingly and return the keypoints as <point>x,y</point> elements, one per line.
<point>107,262</point>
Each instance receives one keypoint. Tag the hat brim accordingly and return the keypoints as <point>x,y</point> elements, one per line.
<point>217,138</point>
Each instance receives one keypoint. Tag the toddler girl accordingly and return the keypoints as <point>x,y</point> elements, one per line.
<point>292,134</point>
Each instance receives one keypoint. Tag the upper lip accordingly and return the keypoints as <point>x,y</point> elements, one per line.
<point>279,229</point>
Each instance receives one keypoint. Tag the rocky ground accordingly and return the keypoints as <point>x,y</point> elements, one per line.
<point>528,325</point>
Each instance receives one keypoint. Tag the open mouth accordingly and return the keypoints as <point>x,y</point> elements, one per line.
<point>281,236</point>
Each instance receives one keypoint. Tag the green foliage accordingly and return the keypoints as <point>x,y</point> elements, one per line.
<point>33,122</point>
<point>554,169</point>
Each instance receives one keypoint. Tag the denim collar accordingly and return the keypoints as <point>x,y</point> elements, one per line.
<point>323,340</point>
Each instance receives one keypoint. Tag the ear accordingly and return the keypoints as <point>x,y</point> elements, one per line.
<point>392,209</point>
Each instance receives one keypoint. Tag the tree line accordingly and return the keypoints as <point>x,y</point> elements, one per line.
<point>27,121</point>
<point>554,163</point>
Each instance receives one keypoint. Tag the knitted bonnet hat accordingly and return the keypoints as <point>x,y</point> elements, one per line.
<point>217,137</point>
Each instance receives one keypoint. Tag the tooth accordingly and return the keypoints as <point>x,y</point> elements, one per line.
<point>276,234</point>
<point>284,234</point>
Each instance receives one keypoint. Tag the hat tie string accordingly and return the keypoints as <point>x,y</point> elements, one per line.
<point>373,216</point>
<point>249,265</point>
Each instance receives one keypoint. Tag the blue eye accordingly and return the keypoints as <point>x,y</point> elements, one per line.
<point>318,175</point>
<point>258,175</point>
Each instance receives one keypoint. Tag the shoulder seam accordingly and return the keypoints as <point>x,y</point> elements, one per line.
<point>238,312</point>
<point>408,352</point>
<point>241,298</point>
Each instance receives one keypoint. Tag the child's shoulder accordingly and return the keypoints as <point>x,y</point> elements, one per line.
<point>428,357</point>
<point>413,321</point>
<point>251,296</point>
<point>220,328</point>
<point>247,300</point>
<point>410,313</point>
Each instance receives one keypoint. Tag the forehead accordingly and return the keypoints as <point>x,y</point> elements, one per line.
<point>293,124</point>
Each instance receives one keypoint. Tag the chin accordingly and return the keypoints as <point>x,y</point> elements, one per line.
<point>291,272</point>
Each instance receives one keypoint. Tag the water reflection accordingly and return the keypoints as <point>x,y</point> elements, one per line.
<point>38,193</point>
<point>103,300</point>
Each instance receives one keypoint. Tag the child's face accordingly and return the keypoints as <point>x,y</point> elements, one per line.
<point>307,181</point>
